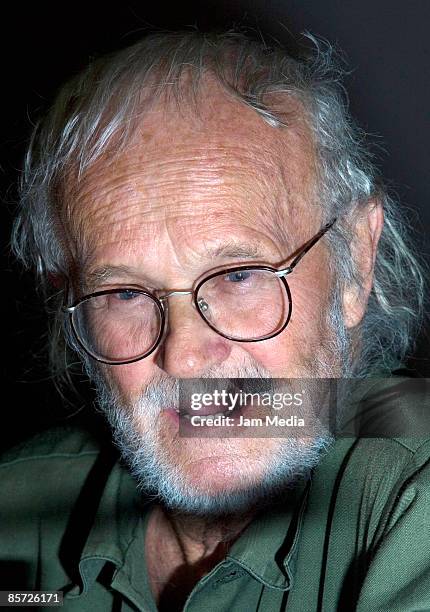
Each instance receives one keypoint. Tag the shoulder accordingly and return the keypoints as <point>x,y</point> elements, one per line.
<point>382,468</point>
<point>376,496</point>
<point>375,482</point>
<point>391,421</point>
<point>398,572</point>
<point>50,468</point>
<point>65,441</point>
<point>50,485</point>
<point>411,453</point>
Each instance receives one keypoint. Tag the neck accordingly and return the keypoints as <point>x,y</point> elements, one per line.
<point>180,549</point>
<point>199,537</point>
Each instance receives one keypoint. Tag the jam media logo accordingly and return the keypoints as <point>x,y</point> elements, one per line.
<point>221,420</point>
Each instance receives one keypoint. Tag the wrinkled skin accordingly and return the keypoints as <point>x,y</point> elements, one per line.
<point>192,193</point>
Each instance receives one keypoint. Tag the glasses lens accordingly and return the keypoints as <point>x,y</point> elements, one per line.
<point>245,304</point>
<point>118,326</point>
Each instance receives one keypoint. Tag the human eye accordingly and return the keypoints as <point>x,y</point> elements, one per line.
<point>127,295</point>
<point>238,276</point>
<point>127,299</point>
<point>120,300</point>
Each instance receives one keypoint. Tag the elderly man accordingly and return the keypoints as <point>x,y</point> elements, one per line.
<point>202,207</point>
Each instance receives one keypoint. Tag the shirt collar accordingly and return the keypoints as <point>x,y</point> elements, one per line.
<point>266,549</point>
<point>113,528</point>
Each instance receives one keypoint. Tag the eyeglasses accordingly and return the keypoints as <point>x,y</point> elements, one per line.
<point>246,303</point>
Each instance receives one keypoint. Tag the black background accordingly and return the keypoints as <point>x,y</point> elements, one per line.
<point>387,47</point>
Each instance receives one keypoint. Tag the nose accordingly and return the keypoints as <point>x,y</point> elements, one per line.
<point>189,346</point>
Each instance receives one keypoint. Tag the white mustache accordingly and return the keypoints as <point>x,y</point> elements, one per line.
<point>163,391</point>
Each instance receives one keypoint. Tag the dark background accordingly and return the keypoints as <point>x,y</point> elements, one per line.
<point>386,45</point>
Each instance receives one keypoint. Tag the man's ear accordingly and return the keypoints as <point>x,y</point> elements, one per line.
<point>366,234</point>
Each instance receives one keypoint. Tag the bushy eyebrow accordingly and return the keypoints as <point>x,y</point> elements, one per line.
<point>232,250</point>
<point>105,273</point>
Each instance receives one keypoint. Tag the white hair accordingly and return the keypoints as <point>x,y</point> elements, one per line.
<point>99,108</point>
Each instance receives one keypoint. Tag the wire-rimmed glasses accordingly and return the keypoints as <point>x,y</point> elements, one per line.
<point>244,303</point>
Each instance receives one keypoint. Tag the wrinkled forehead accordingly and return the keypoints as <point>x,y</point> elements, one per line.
<point>214,158</point>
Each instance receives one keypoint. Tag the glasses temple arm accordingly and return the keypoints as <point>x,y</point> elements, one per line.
<point>307,248</point>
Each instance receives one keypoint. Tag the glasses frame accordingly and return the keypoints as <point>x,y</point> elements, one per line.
<point>159,300</point>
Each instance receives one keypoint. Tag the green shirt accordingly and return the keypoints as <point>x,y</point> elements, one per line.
<point>355,536</point>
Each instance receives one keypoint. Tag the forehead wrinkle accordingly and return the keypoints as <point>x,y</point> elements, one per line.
<point>128,235</point>
<point>122,222</point>
<point>134,183</point>
<point>219,161</point>
<point>205,170</point>
<point>213,140</point>
<point>216,147</point>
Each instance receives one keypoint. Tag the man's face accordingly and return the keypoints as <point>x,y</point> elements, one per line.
<point>189,195</point>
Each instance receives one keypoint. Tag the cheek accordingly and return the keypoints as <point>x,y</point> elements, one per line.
<point>304,335</point>
<point>129,379</point>
<point>311,297</point>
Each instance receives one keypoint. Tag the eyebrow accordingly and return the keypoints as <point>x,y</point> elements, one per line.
<point>227,250</point>
<point>232,249</point>
<point>105,273</point>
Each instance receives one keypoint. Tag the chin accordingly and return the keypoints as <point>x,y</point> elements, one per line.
<point>204,476</point>
<point>215,477</point>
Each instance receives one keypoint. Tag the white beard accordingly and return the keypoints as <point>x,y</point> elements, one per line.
<point>152,457</point>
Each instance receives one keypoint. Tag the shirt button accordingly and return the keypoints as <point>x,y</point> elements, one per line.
<point>229,577</point>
